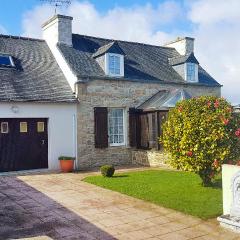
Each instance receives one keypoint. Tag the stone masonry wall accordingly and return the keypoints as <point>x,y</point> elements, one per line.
<point>149,158</point>
<point>112,93</point>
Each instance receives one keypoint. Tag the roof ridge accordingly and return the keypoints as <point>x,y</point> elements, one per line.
<point>124,41</point>
<point>23,38</point>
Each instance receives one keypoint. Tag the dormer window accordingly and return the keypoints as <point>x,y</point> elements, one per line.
<point>110,57</point>
<point>186,66</point>
<point>114,65</point>
<point>6,61</point>
<point>190,71</point>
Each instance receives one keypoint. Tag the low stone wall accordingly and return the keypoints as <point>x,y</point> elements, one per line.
<point>151,158</point>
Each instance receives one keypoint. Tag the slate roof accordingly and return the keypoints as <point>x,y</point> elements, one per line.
<point>142,62</point>
<point>165,99</point>
<point>183,59</point>
<point>36,77</point>
<point>111,47</point>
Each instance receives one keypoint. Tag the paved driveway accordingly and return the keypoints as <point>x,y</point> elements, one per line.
<point>61,206</point>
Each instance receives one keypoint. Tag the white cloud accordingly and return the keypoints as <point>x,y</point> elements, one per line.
<point>215,11</point>
<point>217,34</point>
<point>215,24</point>
<point>33,19</point>
<point>139,23</point>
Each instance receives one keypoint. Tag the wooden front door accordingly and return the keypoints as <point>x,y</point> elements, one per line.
<point>23,144</point>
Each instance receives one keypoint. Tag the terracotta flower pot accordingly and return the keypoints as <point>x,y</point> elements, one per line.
<point>66,165</point>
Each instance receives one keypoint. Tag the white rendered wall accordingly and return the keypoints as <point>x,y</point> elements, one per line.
<point>59,30</point>
<point>61,126</point>
<point>69,75</point>
<point>228,172</point>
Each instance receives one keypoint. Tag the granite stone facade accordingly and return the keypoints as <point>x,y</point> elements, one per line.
<point>123,94</point>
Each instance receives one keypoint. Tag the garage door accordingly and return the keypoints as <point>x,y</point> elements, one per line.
<point>23,144</point>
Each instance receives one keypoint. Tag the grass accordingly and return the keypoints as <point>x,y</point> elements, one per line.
<point>181,191</point>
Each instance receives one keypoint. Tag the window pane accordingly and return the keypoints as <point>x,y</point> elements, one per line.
<point>190,72</point>
<point>23,127</point>
<point>40,126</point>
<point>115,125</point>
<point>4,127</point>
<point>114,64</point>
<point>5,60</point>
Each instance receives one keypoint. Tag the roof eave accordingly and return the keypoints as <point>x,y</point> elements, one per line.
<point>89,78</point>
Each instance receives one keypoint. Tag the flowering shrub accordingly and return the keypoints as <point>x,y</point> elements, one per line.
<point>201,134</point>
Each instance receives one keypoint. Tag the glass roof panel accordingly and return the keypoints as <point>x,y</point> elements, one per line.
<point>5,60</point>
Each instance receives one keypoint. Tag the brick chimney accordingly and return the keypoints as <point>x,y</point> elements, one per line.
<point>184,45</point>
<point>58,29</point>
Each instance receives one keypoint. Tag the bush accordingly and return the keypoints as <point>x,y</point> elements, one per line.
<point>66,158</point>
<point>201,134</point>
<point>107,170</point>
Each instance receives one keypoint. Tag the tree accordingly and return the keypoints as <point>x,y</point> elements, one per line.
<point>201,134</point>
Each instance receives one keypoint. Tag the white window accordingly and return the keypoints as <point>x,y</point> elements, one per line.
<point>116,127</point>
<point>114,64</point>
<point>4,127</point>
<point>191,72</point>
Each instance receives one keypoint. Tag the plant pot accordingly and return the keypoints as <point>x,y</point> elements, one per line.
<point>66,165</point>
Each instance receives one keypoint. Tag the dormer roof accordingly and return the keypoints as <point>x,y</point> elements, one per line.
<point>183,59</point>
<point>111,47</point>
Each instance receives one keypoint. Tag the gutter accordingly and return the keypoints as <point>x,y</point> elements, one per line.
<point>85,79</point>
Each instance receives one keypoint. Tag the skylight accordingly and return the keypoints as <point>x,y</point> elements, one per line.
<point>6,61</point>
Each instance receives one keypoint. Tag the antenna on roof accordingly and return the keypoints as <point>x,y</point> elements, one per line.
<point>57,3</point>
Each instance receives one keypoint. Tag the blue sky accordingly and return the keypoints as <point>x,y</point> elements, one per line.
<point>215,25</point>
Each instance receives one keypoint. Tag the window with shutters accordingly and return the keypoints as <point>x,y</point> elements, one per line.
<point>101,127</point>
<point>116,126</point>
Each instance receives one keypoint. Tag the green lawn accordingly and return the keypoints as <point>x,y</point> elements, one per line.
<point>181,191</point>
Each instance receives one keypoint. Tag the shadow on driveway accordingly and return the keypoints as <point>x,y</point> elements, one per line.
<point>26,212</point>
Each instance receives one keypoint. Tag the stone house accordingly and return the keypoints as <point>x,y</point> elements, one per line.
<point>123,91</point>
<point>115,81</point>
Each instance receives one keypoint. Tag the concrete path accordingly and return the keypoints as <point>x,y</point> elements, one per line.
<point>61,206</point>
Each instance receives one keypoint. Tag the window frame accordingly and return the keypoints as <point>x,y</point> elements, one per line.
<point>3,132</point>
<point>23,122</point>
<point>38,126</point>
<point>10,59</point>
<point>192,77</point>
<point>124,128</point>
<point>121,64</point>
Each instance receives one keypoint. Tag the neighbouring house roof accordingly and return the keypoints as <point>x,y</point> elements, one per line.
<point>142,62</point>
<point>164,99</point>
<point>183,59</point>
<point>111,47</point>
<point>36,75</point>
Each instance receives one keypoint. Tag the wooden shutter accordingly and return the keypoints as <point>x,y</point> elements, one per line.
<point>101,127</point>
<point>132,127</point>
